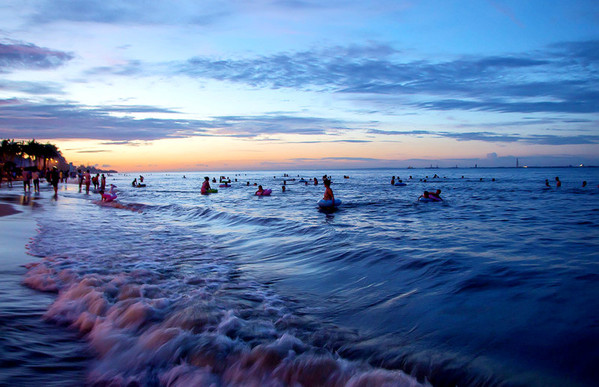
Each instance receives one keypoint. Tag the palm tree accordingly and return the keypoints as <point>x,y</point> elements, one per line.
<point>50,151</point>
<point>10,150</point>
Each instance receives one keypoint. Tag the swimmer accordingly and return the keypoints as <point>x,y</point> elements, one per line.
<point>559,183</point>
<point>205,186</point>
<point>260,190</point>
<point>547,183</point>
<point>315,181</point>
<point>134,182</point>
<point>584,184</point>
<point>425,195</point>
<point>392,180</point>
<point>283,187</point>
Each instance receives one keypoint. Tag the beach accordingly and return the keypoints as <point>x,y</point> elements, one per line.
<point>34,351</point>
<point>496,285</point>
<point>7,209</point>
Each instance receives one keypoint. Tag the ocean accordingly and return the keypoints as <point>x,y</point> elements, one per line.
<point>497,285</point>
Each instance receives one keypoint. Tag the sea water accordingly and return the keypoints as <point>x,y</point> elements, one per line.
<point>498,284</point>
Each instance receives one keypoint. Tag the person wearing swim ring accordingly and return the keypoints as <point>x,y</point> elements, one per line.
<point>425,195</point>
<point>328,192</point>
<point>260,190</point>
<point>205,186</point>
<point>436,195</point>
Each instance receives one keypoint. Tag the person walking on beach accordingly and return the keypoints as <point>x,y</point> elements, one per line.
<point>80,177</point>
<point>26,181</point>
<point>54,179</point>
<point>9,179</point>
<point>65,173</point>
<point>88,180</point>
<point>36,180</point>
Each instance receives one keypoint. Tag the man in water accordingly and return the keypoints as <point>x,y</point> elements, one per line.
<point>88,179</point>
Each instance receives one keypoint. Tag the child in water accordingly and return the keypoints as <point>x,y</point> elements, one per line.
<point>328,192</point>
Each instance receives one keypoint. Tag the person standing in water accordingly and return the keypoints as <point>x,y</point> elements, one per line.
<point>54,179</point>
<point>558,183</point>
<point>36,180</point>
<point>205,186</point>
<point>80,177</point>
<point>88,180</point>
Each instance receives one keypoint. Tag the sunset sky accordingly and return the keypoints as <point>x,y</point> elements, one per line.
<point>233,85</point>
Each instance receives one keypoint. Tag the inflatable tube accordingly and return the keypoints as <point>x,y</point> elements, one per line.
<point>211,190</point>
<point>226,185</point>
<point>400,184</point>
<point>265,192</point>
<point>328,203</point>
<point>429,200</point>
<point>108,197</point>
<point>140,185</point>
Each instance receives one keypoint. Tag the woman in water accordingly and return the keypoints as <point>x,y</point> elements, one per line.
<point>328,192</point>
<point>205,186</point>
<point>260,190</point>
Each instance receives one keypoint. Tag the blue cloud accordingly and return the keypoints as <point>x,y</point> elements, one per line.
<point>33,88</point>
<point>136,12</point>
<point>22,119</point>
<point>560,78</point>
<point>538,139</point>
<point>17,56</point>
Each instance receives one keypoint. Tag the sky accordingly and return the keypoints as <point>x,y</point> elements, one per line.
<point>192,85</point>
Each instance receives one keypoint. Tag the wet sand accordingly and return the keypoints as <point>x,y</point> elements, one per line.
<point>5,210</point>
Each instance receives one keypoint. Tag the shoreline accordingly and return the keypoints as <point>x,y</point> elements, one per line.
<point>25,331</point>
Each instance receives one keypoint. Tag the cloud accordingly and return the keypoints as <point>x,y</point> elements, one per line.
<point>33,88</point>
<point>52,119</point>
<point>17,56</point>
<point>134,12</point>
<point>559,78</point>
<point>24,119</point>
<point>538,139</point>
